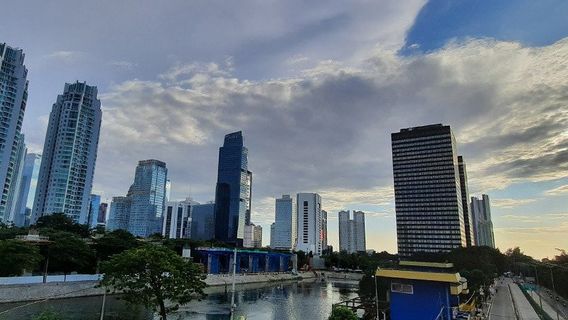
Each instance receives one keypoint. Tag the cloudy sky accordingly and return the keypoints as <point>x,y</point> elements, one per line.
<point>317,88</point>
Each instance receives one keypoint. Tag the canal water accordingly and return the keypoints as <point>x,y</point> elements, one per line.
<point>306,300</point>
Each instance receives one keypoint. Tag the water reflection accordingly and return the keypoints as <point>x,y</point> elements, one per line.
<point>283,301</point>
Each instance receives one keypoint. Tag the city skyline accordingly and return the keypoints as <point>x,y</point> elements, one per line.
<point>500,88</point>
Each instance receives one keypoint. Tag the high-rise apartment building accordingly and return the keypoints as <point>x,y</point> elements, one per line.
<point>323,230</point>
<point>178,219</point>
<point>69,154</point>
<point>233,191</point>
<point>102,216</point>
<point>13,98</point>
<point>310,237</point>
<point>203,221</point>
<point>12,205</point>
<point>28,183</point>
<point>352,232</point>
<point>283,230</point>
<point>141,211</point>
<point>467,219</point>
<point>482,224</point>
<point>429,213</point>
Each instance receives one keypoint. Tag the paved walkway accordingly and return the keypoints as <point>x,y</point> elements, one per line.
<point>525,310</point>
<point>502,306</point>
<point>546,306</point>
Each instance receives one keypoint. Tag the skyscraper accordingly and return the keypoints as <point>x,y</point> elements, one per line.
<point>102,216</point>
<point>252,236</point>
<point>69,154</point>
<point>352,232</point>
<point>429,213</point>
<point>15,187</point>
<point>467,219</point>
<point>203,221</point>
<point>141,211</point>
<point>13,98</point>
<point>28,183</point>
<point>482,224</point>
<point>94,208</point>
<point>233,192</point>
<point>310,233</point>
<point>283,230</point>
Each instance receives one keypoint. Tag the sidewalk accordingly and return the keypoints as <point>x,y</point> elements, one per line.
<point>524,309</point>
<point>545,305</point>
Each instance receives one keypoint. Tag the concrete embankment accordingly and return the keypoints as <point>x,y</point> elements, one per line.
<point>61,290</point>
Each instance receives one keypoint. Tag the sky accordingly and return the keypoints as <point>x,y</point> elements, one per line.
<point>316,88</point>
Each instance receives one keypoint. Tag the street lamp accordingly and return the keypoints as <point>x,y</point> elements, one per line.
<point>376,297</point>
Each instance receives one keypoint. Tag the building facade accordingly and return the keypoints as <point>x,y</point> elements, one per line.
<point>253,236</point>
<point>352,232</point>
<point>119,214</point>
<point>69,154</point>
<point>482,224</point>
<point>178,219</point>
<point>15,189</point>
<point>102,216</point>
<point>233,191</point>
<point>283,231</point>
<point>467,219</point>
<point>94,207</point>
<point>13,99</point>
<point>310,237</point>
<point>429,212</point>
<point>203,221</point>
<point>28,183</point>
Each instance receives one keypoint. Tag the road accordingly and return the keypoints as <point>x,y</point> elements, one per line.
<point>502,307</point>
<point>550,305</point>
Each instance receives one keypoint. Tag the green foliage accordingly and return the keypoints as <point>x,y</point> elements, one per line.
<point>68,253</point>
<point>17,256</point>
<point>47,315</point>
<point>342,313</point>
<point>150,275</point>
<point>113,243</point>
<point>10,232</point>
<point>61,222</point>
<point>368,263</point>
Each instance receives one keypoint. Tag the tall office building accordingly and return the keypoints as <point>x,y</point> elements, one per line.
<point>233,191</point>
<point>141,211</point>
<point>324,230</point>
<point>467,219</point>
<point>119,214</point>
<point>283,230</point>
<point>352,232</point>
<point>482,224</point>
<point>102,216</point>
<point>310,233</point>
<point>15,189</point>
<point>178,219</point>
<point>69,154</point>
<point>429,213</point>
<point>203,221</point>
<point>94,208</point>
<point>13,98</point>
<point>28,183</point>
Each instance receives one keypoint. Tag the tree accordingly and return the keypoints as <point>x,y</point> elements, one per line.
<point>10,231</point>
<point>114,242</point>
<point>68,253</point>
<point>342,313</point>
<point>61,222</point>
<point>150,275</point>
<point>17,256</point>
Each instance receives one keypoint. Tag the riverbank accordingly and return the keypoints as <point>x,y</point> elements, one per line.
<point>62,290</point>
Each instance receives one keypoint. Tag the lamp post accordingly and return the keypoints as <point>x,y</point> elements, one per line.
<point>376,297</point>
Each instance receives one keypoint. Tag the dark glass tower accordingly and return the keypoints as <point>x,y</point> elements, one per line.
<point>427,190</point>
<point>469,236</point>
<point>233,191</point>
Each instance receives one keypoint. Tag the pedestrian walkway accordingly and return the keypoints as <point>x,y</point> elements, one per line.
<point>524,309</point>
<point>545,305</point>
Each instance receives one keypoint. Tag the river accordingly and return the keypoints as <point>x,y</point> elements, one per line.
<point>306,300</point>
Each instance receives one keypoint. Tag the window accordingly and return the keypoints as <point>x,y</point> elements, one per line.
<point>402,288</point>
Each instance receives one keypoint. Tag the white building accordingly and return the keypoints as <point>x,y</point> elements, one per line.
<point>178,219</point>
<point>253,236</point>
<point>69,154</point>
<point>482,224</point>
<point>13,98</point>
<point>352,232</point>
<point>283,231</point>
<point>310,230</point>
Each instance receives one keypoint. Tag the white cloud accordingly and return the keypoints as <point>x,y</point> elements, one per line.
<point>510,203</point>
<point>557,191</point>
